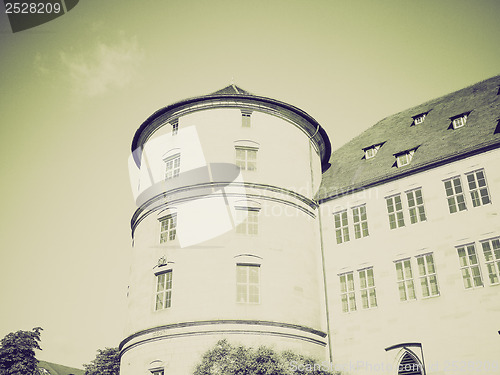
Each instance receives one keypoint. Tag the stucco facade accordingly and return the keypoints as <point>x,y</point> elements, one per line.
<point>248,229</point>
<point>230,220</point>
<point>456,327</point>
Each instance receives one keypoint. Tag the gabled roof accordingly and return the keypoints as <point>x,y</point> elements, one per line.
<point>55,369</point>
<point>437,142</point>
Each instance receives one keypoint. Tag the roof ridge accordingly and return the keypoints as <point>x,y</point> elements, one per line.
<point>439,98</point>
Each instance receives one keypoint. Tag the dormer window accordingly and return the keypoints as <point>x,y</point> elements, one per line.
<point>404,158</point>
<point>418,119</point>
<point>371,151</point>
<point>459,121</point>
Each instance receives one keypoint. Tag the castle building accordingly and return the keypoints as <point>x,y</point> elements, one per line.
<point>381,257</point>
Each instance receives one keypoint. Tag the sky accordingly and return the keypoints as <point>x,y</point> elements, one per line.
<point>73,92</point>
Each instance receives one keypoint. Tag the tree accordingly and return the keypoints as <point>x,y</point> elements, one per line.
<point>17,353</point>
<point>106,362</point>
<point>226,359</point>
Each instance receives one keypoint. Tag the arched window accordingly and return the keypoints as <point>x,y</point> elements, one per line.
<point>407,361</point>
<point>246,154</point>
<point>172,163</point>
<point>409,365</point>
<point>248,278</point>
<point>247,217</point>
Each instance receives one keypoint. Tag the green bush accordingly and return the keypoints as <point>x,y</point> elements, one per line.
<point>226,359</point>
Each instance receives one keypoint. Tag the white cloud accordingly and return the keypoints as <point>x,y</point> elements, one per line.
<point>106,68</point>
<point>40,63</point>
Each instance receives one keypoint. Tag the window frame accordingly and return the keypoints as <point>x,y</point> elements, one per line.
<point>166,293</point>
<point>399,220</point>
<point>408,362</point>
<point>171,228</point>
<point>492,261</point>
<point>347,292</point>
<point>416,210</point>
<point>247,284</point>
<point>476,193</point>
<point>246,118</point>
<point>408,154</point>
<point>427,275</point>
<point>454,196</point>
<point>360,224</point>
<point>466,268</point>
<point>175,126</point>
<point>244,163</point>
<point>459,121</point>
<point>371,151</point>
<point>404,281</point>
<point>341,231</point>
<point>366,290</point>
<point>174,170</point>
<point>250,224</point>
<point>419,119</point>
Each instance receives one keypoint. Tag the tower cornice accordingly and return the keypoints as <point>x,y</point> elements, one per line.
<point>292,114</point>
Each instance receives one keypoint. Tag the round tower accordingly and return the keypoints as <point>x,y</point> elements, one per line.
<point>226,242</point>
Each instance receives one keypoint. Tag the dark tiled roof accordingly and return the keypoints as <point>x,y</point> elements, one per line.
<point>55,369</point>
<point>231,89</point>
<point>435,139</point>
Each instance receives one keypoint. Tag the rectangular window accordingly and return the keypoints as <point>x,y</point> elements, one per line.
<point>367,288</point>
<point>172,166</point>
<point>175,126</point>
<point>455,194</point>
<point>491,250</point>
<point>428,277</point>
<point>248,220</point>
<point>478,188</point>
<point>247,283</point>
<point>168,225</point>
<point>395,211</point>
<point>163,290</point>
<point>416,206</point>
<point>404,275</point>
<point>469,265</point>
<point>360,221</point>
<point>347,292</point>
<point>245,119</point>
<point>341,226</point>
<point>246,158</point>
<point>459,121</point>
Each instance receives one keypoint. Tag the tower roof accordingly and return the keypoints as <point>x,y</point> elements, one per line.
<point>231,89</point>
<point>433,138</point>
<point>233,96</point>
